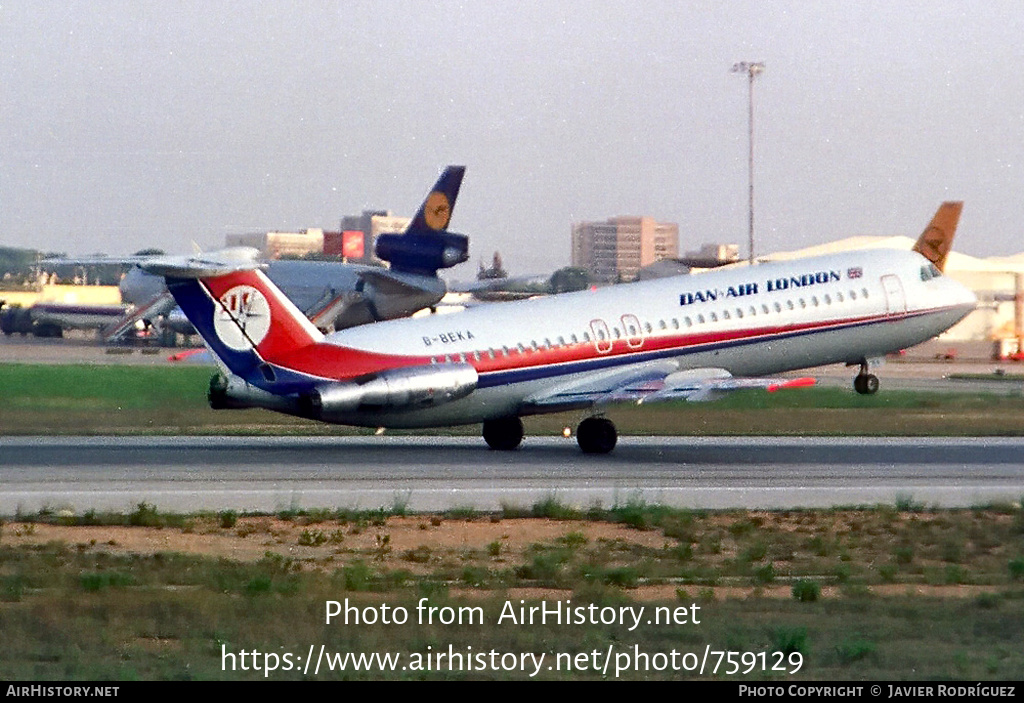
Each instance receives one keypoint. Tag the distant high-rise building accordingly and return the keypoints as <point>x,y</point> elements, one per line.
<point>619,247</point>
<point>354,242</point>
<point>274,245</point>
<point>370,224</point>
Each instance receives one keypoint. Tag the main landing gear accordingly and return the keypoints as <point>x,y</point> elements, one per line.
<point>595,435</point>
<point>504,434</point>
<point>865,383</point>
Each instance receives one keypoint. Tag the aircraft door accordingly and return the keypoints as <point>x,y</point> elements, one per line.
<point>895,299</point>
<point>633,332</point>
<point>602,337</point>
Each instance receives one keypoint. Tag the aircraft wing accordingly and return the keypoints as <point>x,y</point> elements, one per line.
<point>393,283</point>
<point>506,283</point>
<point>655,381</point>
<point>689,386</point>
<point>337,308</point>
<point>161,304</point>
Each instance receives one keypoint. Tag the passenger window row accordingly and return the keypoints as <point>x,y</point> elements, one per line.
<point>688,321</point>
<point>739,313</point>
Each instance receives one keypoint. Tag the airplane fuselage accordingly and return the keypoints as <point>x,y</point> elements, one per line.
<point>750,321</point>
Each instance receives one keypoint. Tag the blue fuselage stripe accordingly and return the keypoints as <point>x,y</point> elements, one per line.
<point>533,373</point>
<point>298,381</point>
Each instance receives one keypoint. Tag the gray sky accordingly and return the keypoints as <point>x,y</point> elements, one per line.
<point>132,124</point>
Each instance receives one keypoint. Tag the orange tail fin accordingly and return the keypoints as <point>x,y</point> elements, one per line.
<point>937,239</point>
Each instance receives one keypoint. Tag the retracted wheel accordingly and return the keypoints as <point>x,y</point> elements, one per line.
<point>596,435</point>
<point>503,434</point>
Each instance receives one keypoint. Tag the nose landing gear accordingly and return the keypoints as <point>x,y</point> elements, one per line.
<point>865,383</point>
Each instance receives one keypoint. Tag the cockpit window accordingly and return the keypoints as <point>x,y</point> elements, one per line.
<point>929,272</point>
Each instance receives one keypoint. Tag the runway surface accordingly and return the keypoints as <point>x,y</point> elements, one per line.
<point>184,474</point>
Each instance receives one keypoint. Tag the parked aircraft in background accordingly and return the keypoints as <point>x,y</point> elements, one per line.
<point>936,241</point>
<point>332,294</point>
<point>692,337</point>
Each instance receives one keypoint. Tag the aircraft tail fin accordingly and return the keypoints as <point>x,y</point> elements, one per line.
<point>427,245</point>
<point>257,334</point>
<point>242,316</point>
<point>436,211</point>
<point>936,241</point>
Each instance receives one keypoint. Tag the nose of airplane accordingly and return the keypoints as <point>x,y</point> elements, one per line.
<point>965,295</point>
<point>958,296</point>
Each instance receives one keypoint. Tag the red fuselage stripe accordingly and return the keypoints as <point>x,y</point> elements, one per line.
<point>332,361</point>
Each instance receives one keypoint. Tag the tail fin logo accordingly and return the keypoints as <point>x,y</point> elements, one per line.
<point>936,241</point>
<point>437,211</point>
<point>934,245</point>
<point>242,319</point>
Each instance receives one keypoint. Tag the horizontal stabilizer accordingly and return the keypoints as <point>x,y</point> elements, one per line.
<point>97,260</point>
<point>215,263</point>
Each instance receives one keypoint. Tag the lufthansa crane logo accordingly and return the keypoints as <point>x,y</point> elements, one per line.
<point>437,210</point>
<point>242,319</point>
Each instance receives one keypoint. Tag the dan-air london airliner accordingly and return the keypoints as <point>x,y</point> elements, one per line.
<point>693,337</point>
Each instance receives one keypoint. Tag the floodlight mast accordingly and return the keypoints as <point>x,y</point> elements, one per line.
<point>752,69</point>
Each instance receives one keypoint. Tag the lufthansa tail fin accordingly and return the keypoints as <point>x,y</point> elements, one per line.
<point>436,211</point>
<point>936,241</point>
<point>427,245</point>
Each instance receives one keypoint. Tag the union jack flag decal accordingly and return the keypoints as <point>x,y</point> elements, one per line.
<point>855,272</point>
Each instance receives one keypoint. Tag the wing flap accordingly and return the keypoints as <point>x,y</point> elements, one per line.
<point>609,386</point>
<point>713,387</point>
<point>657,381</point>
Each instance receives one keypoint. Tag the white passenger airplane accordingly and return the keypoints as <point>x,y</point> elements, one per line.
<point>694,337</point>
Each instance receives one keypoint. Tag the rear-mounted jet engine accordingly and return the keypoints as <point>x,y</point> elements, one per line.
<point>398,389</point>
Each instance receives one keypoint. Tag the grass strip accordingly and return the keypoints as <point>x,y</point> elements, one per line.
<point>86,399</point>
<point>880,592</point>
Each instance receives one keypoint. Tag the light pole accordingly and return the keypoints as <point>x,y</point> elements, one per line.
<point>751,68</point>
